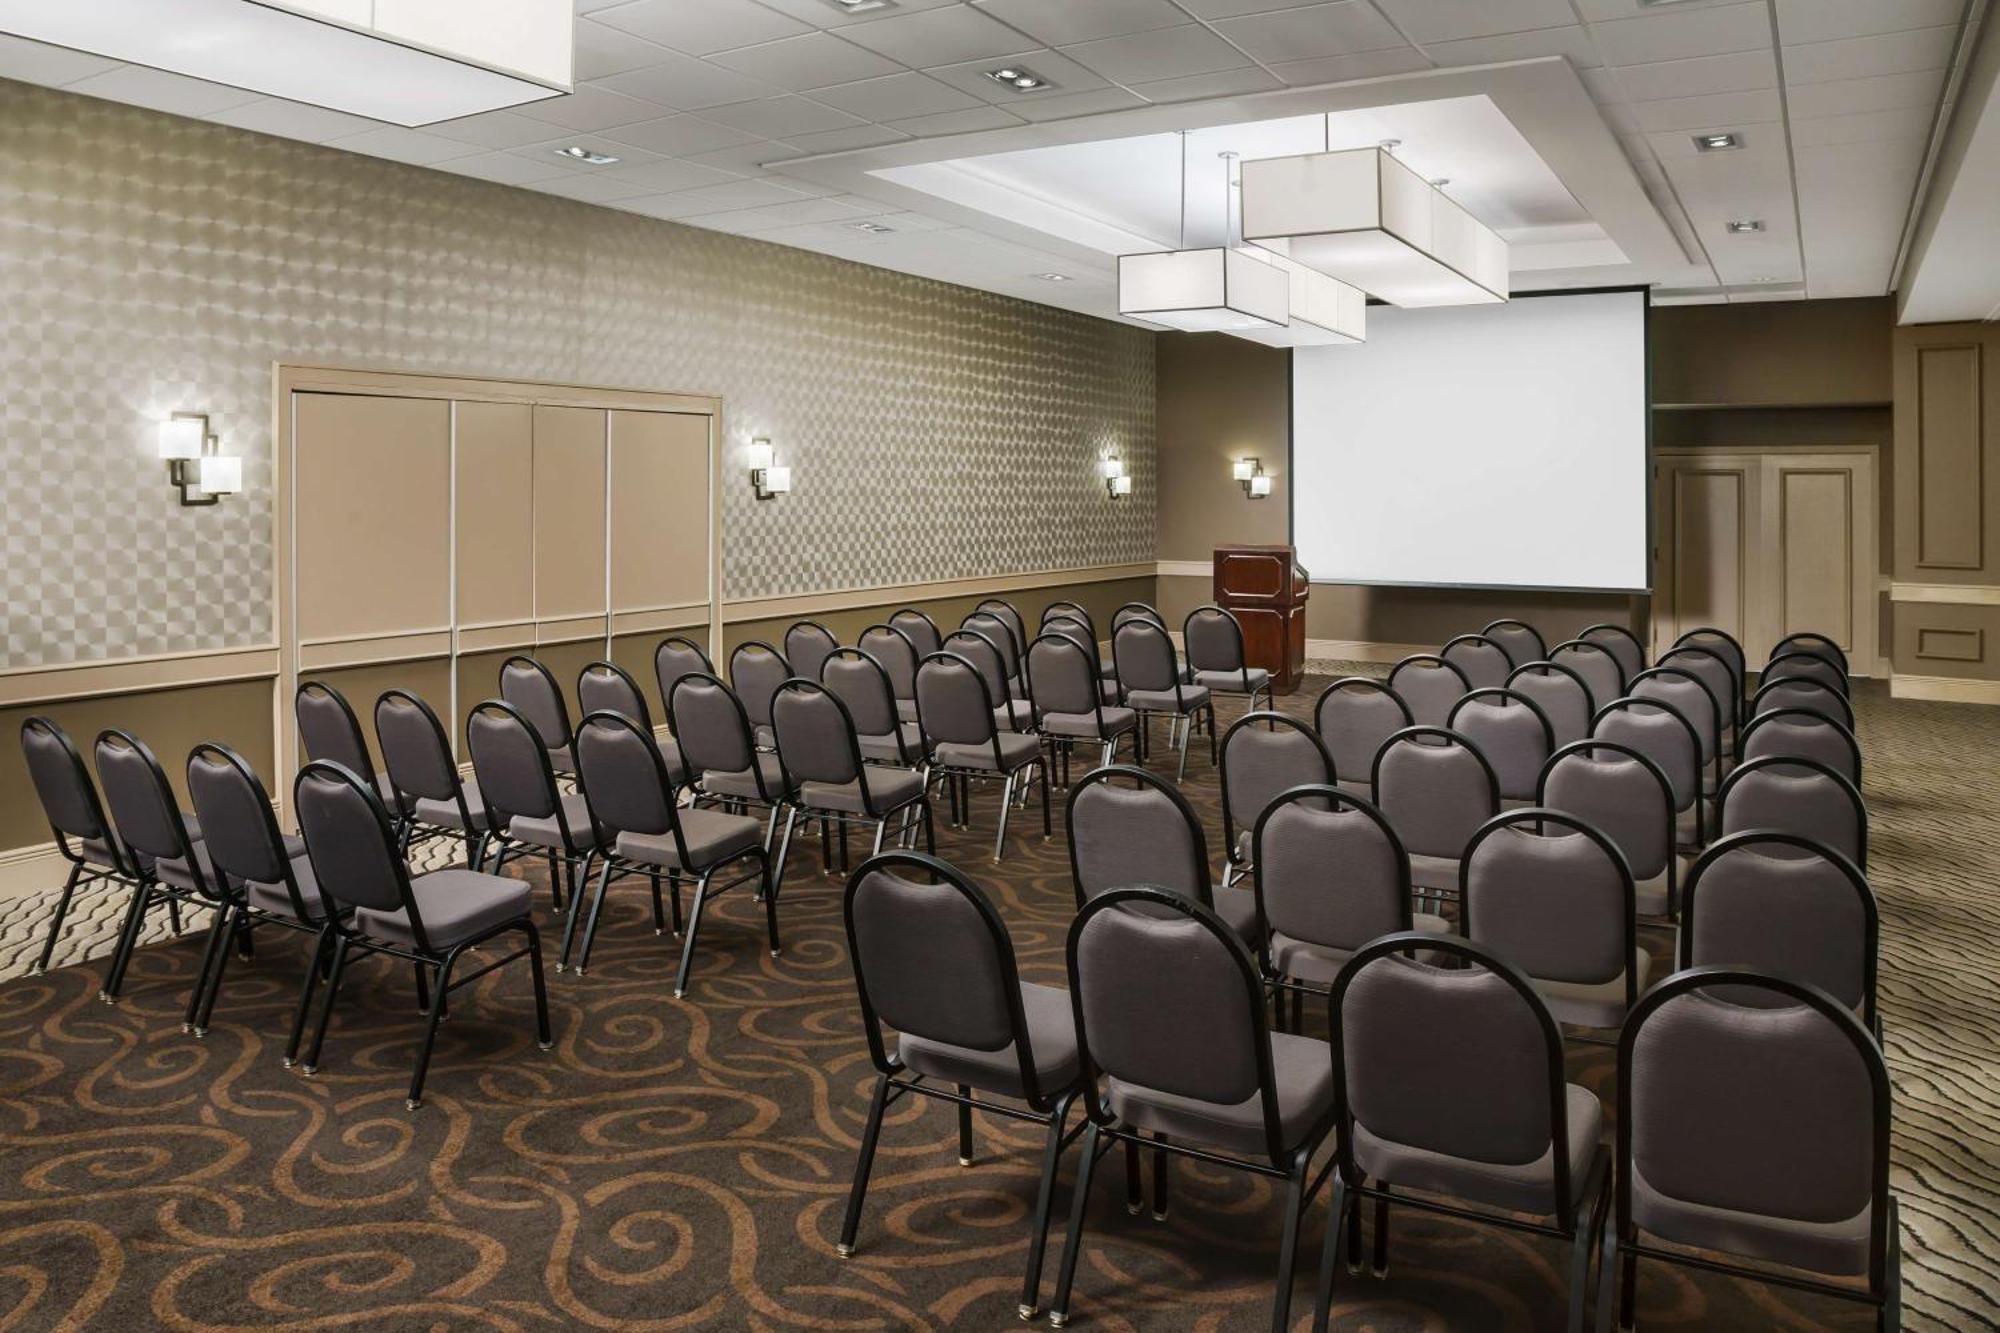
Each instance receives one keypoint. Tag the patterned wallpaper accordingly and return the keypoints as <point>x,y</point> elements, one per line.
<point>150,263</point>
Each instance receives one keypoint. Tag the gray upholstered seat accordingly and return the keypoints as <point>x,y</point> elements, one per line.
<point>1239,908</point>
<point>1051,1039</point>
<point>711,835</point>
<point>454,904</point>
<point>1215,656</point>
<point>1187,699</point>
<point>174,870</point>
<point>1839,1246</point>
<point>1084,726</point>
<point>272,897</point>
<point>1320,963</point>
<point>1303,1081</point>
<point>1016,748</point>
<point>889,746</point>
<point>432,811</point>
<point>546,830</point>
<point>418,754</point>
<point>1015,715</point>
<point>889,788</point>
<point>1521,1187</point>
<point>755,672</point>
<point>743,783</point>
<point>1233,682</point>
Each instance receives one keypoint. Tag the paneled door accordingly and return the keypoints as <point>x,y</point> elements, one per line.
<point>1767,544</point>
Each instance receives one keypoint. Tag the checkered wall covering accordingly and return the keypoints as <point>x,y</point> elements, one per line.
<point>150,264</point>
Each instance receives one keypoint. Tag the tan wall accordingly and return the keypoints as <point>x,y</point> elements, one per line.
<point>1781,352</point>
<point>1101,599</point>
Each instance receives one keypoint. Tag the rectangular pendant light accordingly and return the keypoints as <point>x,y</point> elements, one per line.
<point>1216,290</point>
<point>406,62</point>
<point>1361,216</point>
<point>1325,311</point>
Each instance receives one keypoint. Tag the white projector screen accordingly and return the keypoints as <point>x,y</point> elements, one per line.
<point>1495,446</point>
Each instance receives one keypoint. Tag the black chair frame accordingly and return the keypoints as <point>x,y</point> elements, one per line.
<point>1508,622</point>
<point>569,869</point>
<point>959,779</point>
<point>1764,677</point>
<point>1852,793</point>
<point>1739,670</point>
<point>401,812</point>
<point>416,832</point>
<point>773,803</point>
<point>555,692</point>
<point>1845,715</point>
<point>665,686</point>
<point>1714,763</point>
<point>1622,632</point>
<point>645,716</point>
<point>1701,799</point>
<point>1234,866</point>
<point>82,872</point>
<point>1180,715</point>
<point>1236,627</point>
<point>1820,643</point>
<point>148,889</point>
<point>1204,873</point>
<point>1062,748</point>
<point>1659,775</point>
<point>1845,733</point>
<point>1590,645</point>
<point>917,809</point>
<point>1424,732</point>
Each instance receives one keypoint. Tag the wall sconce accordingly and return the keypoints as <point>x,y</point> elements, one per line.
<point>1249,472</point>
<point>1117,482</point>
<point>195,463</point>
<point>765,475</point>
<point>1120,486</point>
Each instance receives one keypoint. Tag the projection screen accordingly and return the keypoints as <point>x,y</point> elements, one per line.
<point>1478,446</point>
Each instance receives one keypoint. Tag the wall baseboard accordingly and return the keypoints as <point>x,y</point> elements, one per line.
<point>1361,650</point>
<point>30,870</point>
<point>1944,689</point>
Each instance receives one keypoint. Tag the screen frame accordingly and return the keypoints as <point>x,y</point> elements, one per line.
<point>1644,291</point>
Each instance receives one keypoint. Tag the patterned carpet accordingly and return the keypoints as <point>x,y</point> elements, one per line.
<point>677,1165</point>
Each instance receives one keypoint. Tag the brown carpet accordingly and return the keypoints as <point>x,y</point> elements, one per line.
<point>685,1164</point>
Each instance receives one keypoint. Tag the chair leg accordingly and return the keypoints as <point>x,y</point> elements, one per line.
<point>1381,1265</point>
<point>930,828</point>
<point>863,1164</point>
<point>1031,1285</point>
<point>321,950</point>
<point>128,936</point>
<point>1607,1279</point>
<point>1288,1244</point>
<point>659,908</point>
<point>590,928</point>
<point>1066,1275</point>
<point>544,1036</point>
<point>1135,1190</point>
<point>1048,827</point>
<point>825,847</point>
<point>217,929</point>
<point>965,1126</point>
<point>1214,754</point>
<point>311,1064</point>
<point>1890,1318</point>
<point>784,847</point>
<point>881,832</point>
<point>174,913</point>
<point>693,930</point>
<point>423,986</point>
<point>1160,1165</point>
<point>1329,1255</point>
<point>56,921</point>
<point>770,886</point>
<point>239,930</point>
<point>436,1015</point>
<point>1185,730</point>
<point>1580,1247</point>
<point>1006,805</point>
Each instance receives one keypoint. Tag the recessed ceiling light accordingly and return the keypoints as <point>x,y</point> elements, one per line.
<point>1716,142</point>
<point>861,6</point>
<point>873,228</point>
<point>576,152</point>
<point>1018,78</point>
<point>1053,277</point>
<point>1743,226</point>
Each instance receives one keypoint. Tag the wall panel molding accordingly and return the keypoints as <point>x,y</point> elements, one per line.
<point>1950,594</point>
<point>738,610</point>
<point>135,675</point>
<point>1950,457</point>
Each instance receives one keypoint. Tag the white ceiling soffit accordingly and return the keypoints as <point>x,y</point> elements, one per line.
<point>1953,271</point>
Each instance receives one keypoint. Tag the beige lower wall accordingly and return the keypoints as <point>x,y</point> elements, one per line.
<point>1101,599</point>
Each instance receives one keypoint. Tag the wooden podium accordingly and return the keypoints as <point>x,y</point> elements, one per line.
<point>1266,590</point>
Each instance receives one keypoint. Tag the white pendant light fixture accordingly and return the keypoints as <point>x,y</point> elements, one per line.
<point>1362,217</point>
<point>1215,289</point>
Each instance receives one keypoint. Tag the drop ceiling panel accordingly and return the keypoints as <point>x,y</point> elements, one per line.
<point>1702,76</point>
<point>1055,22</point>
<point>700,26</point>
<point>937,36</point>
<point>1163,53</point>
<point>1442,20</point>
<point>1881,92</point>
<point>1829,20</point>
<point>1676,33</point>
<point>1318,30</point>
<point>1860,57</point>
<point>812,60</point>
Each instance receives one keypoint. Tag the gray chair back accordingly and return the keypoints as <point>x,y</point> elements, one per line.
<point>807,646</point>
<point>756,670</point>
<point>1688,696</point>
<point>1354,716</point>
<point>1522,642</point>
<point>1144,656</point>
<point>1596,666</point>
<point>1724,645</point>
<point>712,727</point>
<point>1619,792</point>
<point>1076,631</point>
<point>1787,794</point>
<point>1513,733</point>
<point>987,657</point>
<point>1805,666</point>
<point>816,737</point>
<point>1135,611</point>
<point>1064,674</point>
<point>1712,670</point>
<point>415,749</point>
<point>1622,643</point>
<point>1428,686</point>
<point>623,770</point>
<point>1263,754</point>
<point>1213,639</point>
<point>1804,733</point>
<point>1435,788</point>
<point>1330,870</point>
<point>328,728</point>
<point>1784,905</point>
<point>1130,827</point>
<point>141,804</point>
<point>1656,730</point>
<point>1816,644</point>
<point>62,785</point>
<point>355,855</point>
<point>1799,692</point>
<point>239,829</point>
<point>997,632</point>
<point>674,658</point>
<point>606,687</point>
<point>1070,611</point>
<point>510,762</point>
<point>1561,695</point>
<point>1482,662</point>
<point>894,652</point>
<point>919,629</point>
<point>954,705</point>
<point>1007,614</point>
<point>530,687</point>
<point>1553,896</point>
<point>860,681</point>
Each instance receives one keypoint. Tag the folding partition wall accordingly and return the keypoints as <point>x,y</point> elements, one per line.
<point>430,527</point>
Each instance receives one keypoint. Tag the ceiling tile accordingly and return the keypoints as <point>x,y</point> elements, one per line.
<point>401,145</point>
<point>1069,105</point>
<point>667,174</point>
<point>1597,11</point>
<point>1740,71</point>
<point>602,52</point>
<point>700,26</point>
<point>1571,43</point>
<point>811,61</point>
<point>1445,20</point>
<point>1861,57</point>
<point>1064,76</point>
<point>51,66</point>
<point>506,168</point>
<point>896,97</point>
<point>1681,34</point>
<point>936,36</point>
<point>778,117</point>
<point>958,122</point>
<point>1883,92</point>
<point>591,189</point>
<point>295,120</point>
<point>161,91</point>
<point>1320,30</point>
<point>590,108</point>
<point>822,14</point>
<point>748,159</point>
<point>686,84</point>
<point>1906,124</point>
<point>1223,9</point>
<point>1829,20</point>
<point>1719,112</point>
<point>842,141</point>
<point>1340,69</point>
<point>676,136</point>
<point>1164,53</point>
<point>492,129</point>
<point>1222,83</point>
<point>723,198</point>
<point>1059,21</point>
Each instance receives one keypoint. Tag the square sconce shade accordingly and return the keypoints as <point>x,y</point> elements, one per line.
<point>1203,291</point>
<point>778,480</point>
<point>218,474</point>
<point>181,438</point>
<point>1366,219</point>
<point>1121,485</point>
<point>1260,486</point>
<point>1243,469</point>
<point>407,62</point>
<point>759,455</point>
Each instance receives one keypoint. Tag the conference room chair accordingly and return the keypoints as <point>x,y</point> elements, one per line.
<point>674,658</point>
<point>1428,686</point>
<point>632,797</point>
<point>1073,610</point>
<point>418,755</point>
<point>1083,636</point>
<point>1628,798</point>
<point>77,823</point>
<point>1801,692</point>
<point>1514,734</point>
<point>860,682</point>
<point>725,765</point>
<point>1149,681</point>
<point>932,959</point>
<point>1069,701</point>
<point>1622,643</point>
<point>1791,795</point>
<point>167,858</point>
<point>1805,666</point>
<point>329,729</point>
<point>1136,611</point>
<point>756,670</point>
<point>1354,715</point>
<point>1713,670</point>
<point>528,812</point>
<point>1263,754</point>
<point>1562,696</point>
<point>1764,1138</point>
<point>1818,645</point>
<point>1725,646</point>
<point>1688,695</point>
<point>606,687</point>
<point>1009,615</point>
<point>1001,634</point>
<point>986,650</point>
<point>1483,662</point>
<point>919,628</point>
<point>897,655</point>
<point>1595,665</point>
<point>1660,732</point>
<point>1130,826</point>
<point>1785,905</point>
<point>1076,612</point>
<point>265,877</point>
<point>831,782</point>
<point>1553,896</point>
<point>1522,642</point>
<point>1169,1010</point>
<point>964,744</point>
<point>1330,875</point>
<point>1523,1154</point>
<point>1215,656</point>
<point>430,921</point>
<point>807,646</point>
<point>531,687</point>
<point>1436,789</point>
<point>1804,733</point>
